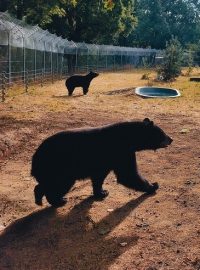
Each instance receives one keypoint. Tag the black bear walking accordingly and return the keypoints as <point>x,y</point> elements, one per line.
<point>80,81</point>
<point>92,153</point>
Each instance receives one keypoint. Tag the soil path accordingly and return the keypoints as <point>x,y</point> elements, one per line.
<point>128,230</point>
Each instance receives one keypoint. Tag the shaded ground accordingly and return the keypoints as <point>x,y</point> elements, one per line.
<point>128,230</point>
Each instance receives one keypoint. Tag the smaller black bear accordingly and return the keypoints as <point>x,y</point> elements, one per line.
<point>80,81</point>
<point>92,153</point>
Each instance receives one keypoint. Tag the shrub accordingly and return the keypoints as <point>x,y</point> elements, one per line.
<point>172,59</point>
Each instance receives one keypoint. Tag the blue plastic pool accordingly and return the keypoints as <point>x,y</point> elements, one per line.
<point>157,92</point>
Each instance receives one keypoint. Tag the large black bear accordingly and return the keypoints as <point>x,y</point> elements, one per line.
<point>80,81</point>
<point>92,153</point>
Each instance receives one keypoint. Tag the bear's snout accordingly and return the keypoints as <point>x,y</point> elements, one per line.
<point>170,140</point>
<point>166,142</point>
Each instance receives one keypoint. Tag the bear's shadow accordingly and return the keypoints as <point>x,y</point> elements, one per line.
<point>45,240</point>
<point>67,96</point>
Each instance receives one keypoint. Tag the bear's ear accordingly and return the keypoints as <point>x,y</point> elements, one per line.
<point>147,121</point>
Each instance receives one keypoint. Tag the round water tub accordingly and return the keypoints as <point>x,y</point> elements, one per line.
<point>157,92</point>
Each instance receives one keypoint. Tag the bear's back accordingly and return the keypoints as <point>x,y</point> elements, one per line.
<point>76,80</point>
<point>75,155</point>
<point>80,80</point>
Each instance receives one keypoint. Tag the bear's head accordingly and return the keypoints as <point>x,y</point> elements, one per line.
<point>93,74</point>
<point>155,137</point>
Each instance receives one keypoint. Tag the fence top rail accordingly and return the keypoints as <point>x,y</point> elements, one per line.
<point>20,34</point>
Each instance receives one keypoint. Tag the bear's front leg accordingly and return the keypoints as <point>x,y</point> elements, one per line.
<point>143,185</point>
<point>55,199</point>
<point>127,175</point>
<point>39,193</point>
<point>98,191</point>
<point>85,90</point>
<point>70,91</point>
<point>55,190</point>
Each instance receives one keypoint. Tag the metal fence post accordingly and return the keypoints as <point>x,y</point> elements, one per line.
<point>52,76</point>
<point>97,63</point>
<point>44,59</point>
<point>26,81</point>
<point>42,78</point>
<point>3,79</point>
<point>35,62</point>
<point>24,61</point>
<point>51,64</point>
<point>76,59</point>
<point>57,61</point>
<point>9,58</point>
<point>87,60</point>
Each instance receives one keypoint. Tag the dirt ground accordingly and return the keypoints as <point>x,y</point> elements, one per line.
<point>128,230</point>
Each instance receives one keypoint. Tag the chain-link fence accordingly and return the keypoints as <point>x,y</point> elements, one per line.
<point>29,54</point>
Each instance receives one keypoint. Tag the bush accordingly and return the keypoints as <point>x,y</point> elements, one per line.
<point>171,66</point>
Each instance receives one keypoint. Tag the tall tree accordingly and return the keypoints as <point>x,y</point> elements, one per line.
<point>183,18</point>
<point>100,21</point>
<point>159,20</point>
<point>96,21</point>
<point>152,29</point>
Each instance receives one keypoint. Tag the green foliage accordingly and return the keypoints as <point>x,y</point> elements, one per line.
<point>95,21</point>
<point>139,23</point>
<point>158,20</point>
<point>92,21</point>
<point>189,61</point>
<point>152,29</point>
<point>183,19</point>
<point>194,50</point>
<point>171,66</point>
<point>108,4</point>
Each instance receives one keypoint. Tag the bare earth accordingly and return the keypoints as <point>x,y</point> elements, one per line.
<point>128,230</point>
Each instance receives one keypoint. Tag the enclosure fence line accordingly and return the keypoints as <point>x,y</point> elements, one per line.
<point>29,54</point>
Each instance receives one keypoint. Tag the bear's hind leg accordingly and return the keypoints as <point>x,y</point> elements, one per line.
<point>98,191</point>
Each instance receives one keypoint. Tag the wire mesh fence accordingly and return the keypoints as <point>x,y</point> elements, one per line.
<point>29,54</point>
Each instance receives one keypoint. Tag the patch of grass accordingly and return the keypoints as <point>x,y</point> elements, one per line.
<point>53,97</point>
